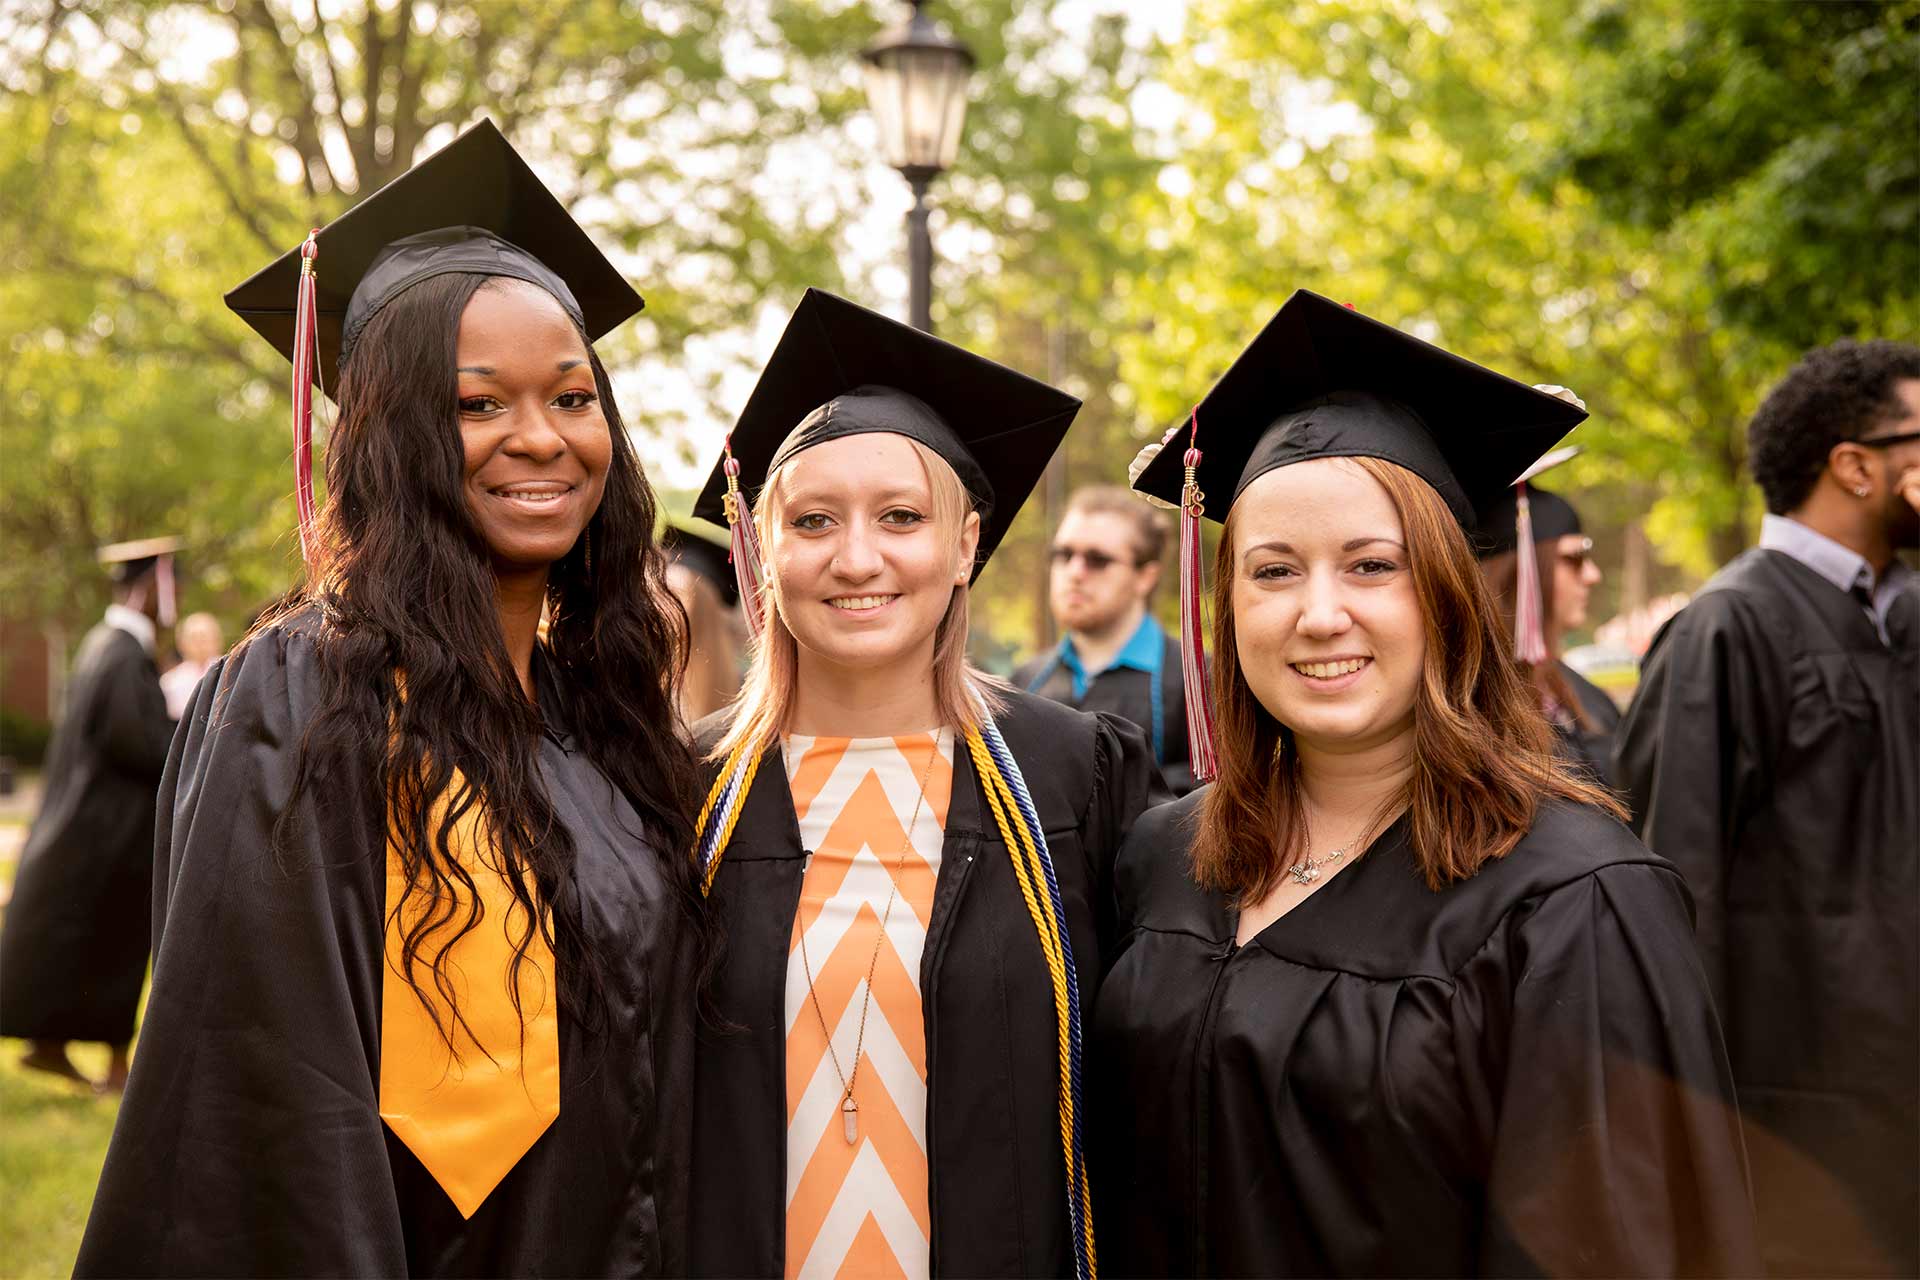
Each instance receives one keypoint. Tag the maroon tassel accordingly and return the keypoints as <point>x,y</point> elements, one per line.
<point>305,353</point>
<point>748,568</point>
<point>163,583</point>
<point>1193,645</point>
<point>1529,610</point>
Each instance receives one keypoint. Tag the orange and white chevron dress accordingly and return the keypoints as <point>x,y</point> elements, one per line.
<point>860,1208</point>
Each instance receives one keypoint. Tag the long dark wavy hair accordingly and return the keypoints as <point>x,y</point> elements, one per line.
<point>416,675</point>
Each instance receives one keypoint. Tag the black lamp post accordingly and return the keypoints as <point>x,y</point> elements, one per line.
<point>917,88</point>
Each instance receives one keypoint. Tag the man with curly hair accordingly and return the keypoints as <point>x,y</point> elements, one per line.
<point>1773,752</point>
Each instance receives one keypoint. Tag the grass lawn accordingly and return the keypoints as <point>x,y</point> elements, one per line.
<point>53,1137</point>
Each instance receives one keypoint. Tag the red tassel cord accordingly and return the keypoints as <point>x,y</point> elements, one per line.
<point>1529,610</point>
<point>748,570</point>
<point>305,354</point>
<point>1193,645</point>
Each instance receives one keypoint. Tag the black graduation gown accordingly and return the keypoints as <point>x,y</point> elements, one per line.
<point>1520,1074</point>
<point>997,1183</point>
<point>1127,693</point>
<point>1590,749</point>
<point>1773,752</point>
<point>73,954</point>
<point>250,1141</point>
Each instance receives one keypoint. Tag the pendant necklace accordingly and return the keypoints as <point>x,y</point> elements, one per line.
<point>849,1109</point>
<point>1307,870</point>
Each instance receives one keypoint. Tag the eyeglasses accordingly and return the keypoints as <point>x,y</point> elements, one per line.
<point>1096,561</point>
<point>1883,442</point>
<point>1581,556</point>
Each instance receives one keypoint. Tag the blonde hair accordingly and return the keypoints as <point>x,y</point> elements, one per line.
<point>962,694</point>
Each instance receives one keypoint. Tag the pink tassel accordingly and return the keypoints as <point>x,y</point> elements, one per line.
<point>305,352</point>
<point>748,570</point>
<point>1193,645</point>
<point>163,582</point>
<point>1529,620</point>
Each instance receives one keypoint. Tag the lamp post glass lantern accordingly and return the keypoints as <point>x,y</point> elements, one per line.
<point>917,89</point>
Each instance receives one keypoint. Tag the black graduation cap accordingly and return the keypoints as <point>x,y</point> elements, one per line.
<point>126,561</point>
<point>473,206</point>
<point>843,370</point>
<point>129,562</point>
<point>1549,515</point>
<point>1323,381</point>
<point>701,553</point>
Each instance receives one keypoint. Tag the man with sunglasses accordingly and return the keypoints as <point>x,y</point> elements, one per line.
<point>1773,752</point>
<point>1105,562</point>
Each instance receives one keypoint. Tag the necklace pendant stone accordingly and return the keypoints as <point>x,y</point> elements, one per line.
<point>850,1120</point>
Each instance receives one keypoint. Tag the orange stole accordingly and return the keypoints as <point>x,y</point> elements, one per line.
<point>470,1116</point>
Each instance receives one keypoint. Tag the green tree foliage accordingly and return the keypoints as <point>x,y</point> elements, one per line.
<point>1400,154</point>
<point>1777,139</point>
<point>1658,203</point>
<point>155,153</point>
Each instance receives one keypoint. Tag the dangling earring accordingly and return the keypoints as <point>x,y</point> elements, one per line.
<point>586,543</point>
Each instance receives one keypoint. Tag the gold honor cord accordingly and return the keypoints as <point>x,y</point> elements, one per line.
<point>1028,870</point>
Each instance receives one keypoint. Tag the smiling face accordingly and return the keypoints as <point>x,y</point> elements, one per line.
<point>1327,625</point>
<point>861,565</point>
<point>532,430</point>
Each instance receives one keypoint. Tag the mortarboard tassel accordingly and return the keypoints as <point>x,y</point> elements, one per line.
<point>745,547</point>
<point>1529,611</point>
<point>1193,647</point>
<point>305,344</point>
<point>163,583</point>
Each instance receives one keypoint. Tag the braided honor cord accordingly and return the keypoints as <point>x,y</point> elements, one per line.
<point>1019,823</point>
<point>721,813</point>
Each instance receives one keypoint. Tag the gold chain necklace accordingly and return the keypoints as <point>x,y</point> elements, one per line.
<point>849,1109</point>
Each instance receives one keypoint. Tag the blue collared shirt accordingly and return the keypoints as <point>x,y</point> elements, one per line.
<point>1844,568</point>
<point>1142,652</point>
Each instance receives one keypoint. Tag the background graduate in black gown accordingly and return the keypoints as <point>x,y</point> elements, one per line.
<point>1105,565</point>
<point>1397,994</point>
<point>1773,752</point>
<point>422,997</point>
<point>73,954</point>
<point>1562,572</point>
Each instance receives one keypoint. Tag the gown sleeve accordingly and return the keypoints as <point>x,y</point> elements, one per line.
<point>1616,1150</point>
<point>1683,756</point>
<point>1127,783</point>
<point>249,1142</point>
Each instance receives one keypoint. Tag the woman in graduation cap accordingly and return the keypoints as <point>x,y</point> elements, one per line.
<point>422,996</point>
<point>1540,565</point>
<point>909,862</point>
<point>1397,993</point>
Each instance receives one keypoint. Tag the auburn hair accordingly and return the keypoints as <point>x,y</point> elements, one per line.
<point>1482,755</point>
